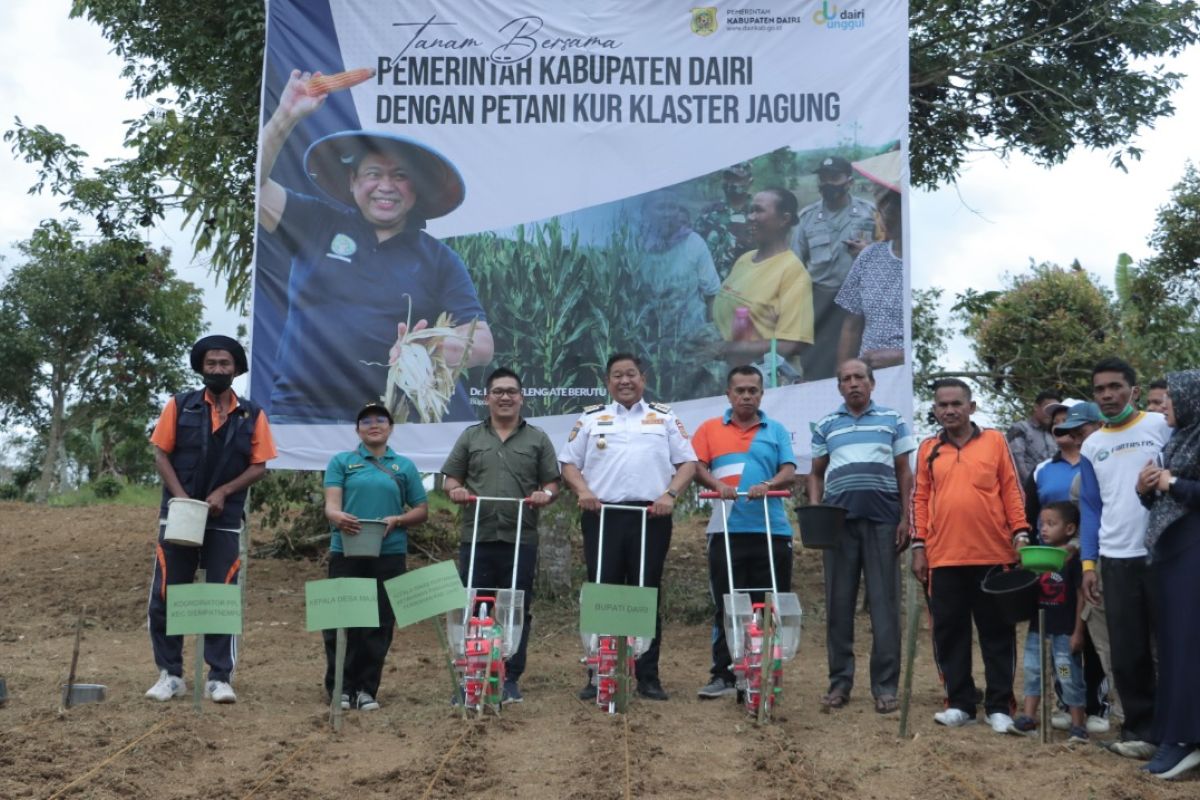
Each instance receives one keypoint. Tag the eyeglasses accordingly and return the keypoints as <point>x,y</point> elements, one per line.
<point>366,422</point>
<point>503,391</point>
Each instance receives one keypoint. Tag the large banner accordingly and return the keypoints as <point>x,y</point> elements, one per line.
<point>447,187</point>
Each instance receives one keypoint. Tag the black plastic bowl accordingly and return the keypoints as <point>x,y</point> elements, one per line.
<point>1015,592</point>
<point>820,526</point>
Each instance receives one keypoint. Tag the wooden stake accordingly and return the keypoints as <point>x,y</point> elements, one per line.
<point>198,686</point>
<point>339,668</point>
<point>74,660</point>
<point>1047,684</point>
<point>910,646</point>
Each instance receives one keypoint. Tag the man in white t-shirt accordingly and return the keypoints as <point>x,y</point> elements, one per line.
<point>1112,536</point>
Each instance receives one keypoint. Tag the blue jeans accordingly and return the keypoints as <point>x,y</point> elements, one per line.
<point>1068,668</point>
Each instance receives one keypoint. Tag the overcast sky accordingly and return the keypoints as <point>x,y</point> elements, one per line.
<point>58,72</point>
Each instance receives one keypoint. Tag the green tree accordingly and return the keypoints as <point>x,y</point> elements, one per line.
<point>929,340</point>
<point>1035,77</point>
<point>1038,77</point>
<point>97,331</point>
<point>1045,331</point>
<point>1160,296</point>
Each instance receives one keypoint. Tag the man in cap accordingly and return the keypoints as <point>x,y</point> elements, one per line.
<point>209,445</point>
<point>363,258</point>
<point>828,237</point>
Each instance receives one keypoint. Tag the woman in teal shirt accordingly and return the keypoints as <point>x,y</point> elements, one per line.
<point>371,481</point>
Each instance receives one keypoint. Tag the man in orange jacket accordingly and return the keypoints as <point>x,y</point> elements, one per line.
<point>969,513</point>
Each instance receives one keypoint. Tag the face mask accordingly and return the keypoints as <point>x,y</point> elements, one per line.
<point>1119,418</point>
<point>218,384</point>
<point>830,192</point>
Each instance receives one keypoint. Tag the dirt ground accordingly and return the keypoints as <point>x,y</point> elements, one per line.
<point>276,742</point>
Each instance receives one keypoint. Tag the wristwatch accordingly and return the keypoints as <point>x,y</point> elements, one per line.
<point>672,493</point>
<point>546,491</point>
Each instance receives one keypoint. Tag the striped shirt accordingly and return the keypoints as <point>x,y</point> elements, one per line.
<point>741,458</point>
<point>862,451</point>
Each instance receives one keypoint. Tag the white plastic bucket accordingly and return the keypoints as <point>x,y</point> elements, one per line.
<point>186,520</point>
<point>367,542</point>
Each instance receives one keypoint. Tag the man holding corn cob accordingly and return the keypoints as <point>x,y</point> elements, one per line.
<point>367,260</point>
<point>628,452</point>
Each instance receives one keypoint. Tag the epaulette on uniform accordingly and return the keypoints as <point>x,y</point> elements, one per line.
<point>593,409</point>
<point>661,408</point>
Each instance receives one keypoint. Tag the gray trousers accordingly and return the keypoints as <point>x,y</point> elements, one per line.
<point>867,548</point>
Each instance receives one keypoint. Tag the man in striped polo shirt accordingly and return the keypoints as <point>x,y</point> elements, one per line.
<point>743,450</point>
<point>860,462</point>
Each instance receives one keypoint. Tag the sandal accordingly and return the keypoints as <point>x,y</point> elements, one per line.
<point>836,698</point>
<point>886,704</point>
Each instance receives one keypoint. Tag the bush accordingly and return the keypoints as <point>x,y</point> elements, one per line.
<point>10,491</point>
<point>106,487</point>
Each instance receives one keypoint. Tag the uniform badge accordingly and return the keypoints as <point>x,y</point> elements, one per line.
<point>575,431</point>
<point>600,442</point>
<point>605,419</point>
<point>682,430</point>
<point>395,467</point>
<point>342,247</point>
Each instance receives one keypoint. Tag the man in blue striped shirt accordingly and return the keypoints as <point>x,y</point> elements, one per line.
<point>860,462</point>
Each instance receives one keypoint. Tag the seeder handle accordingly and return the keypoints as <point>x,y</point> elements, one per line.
<point>476,498</point>
<point>772,493</point>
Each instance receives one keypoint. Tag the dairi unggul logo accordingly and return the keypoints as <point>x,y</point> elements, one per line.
<point>704,20</point>
<point>829,15</point>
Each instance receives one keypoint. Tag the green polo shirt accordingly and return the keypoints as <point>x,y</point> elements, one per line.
<point>517,467</point>
<point>368,493</point>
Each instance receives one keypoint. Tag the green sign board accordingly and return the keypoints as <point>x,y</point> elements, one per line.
<point>614,610</point>
<point>341,603</point>
<point>203,608</point>
<point>425,592</point>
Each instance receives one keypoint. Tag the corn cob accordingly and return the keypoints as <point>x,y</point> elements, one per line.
<point>419,379</point>
<point>325,84</point>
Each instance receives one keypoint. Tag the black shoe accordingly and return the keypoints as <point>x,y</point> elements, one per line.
<point>651,689</point>
<point>588,692</point>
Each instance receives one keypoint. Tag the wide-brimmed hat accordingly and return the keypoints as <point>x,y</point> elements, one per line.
<point>218,342</point>
<point>440,187</point>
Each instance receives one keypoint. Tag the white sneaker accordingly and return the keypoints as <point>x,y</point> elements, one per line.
<point>168,686</point>
<point>219,692</point>
<point>1061,721</point>
<point>345,702</point>
<point>1097,724</point>
<point>1000,722</point>
<point>954,718</point>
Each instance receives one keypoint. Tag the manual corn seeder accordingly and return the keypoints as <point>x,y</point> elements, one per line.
<point>761,636</point>
<point>488,629</point>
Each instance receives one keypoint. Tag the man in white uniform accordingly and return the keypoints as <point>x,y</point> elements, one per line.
<point>628,452</point>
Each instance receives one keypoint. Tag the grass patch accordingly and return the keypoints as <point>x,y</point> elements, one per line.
<point>138,495</point>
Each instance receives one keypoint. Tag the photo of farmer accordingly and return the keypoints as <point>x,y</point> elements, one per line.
<point>766,303</point>
<point>376,307</point>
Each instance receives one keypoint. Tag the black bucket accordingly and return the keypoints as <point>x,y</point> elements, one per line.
<point>820,526</point>
<point>1015,592</point>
